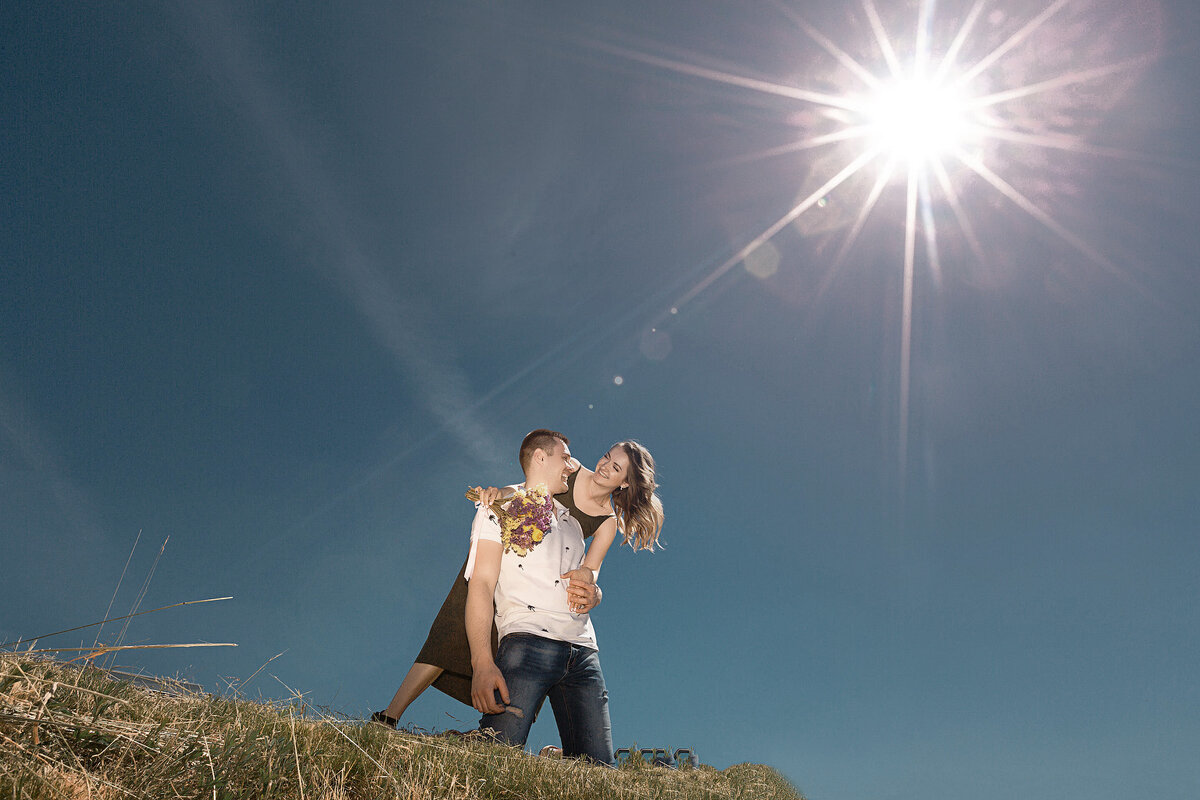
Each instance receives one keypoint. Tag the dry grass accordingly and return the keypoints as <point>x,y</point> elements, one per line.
<point>69,732</point>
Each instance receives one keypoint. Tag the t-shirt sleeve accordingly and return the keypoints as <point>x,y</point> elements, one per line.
<point>485,527</point>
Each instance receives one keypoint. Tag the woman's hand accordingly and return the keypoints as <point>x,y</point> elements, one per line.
<point>487,496</point>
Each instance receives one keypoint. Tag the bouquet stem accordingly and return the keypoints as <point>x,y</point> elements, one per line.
<point>497,507</point>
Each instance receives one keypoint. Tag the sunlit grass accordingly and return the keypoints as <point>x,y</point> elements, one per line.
<point>77,732</point>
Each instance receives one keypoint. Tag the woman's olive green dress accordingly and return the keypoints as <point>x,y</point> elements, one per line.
<point>446,645</point>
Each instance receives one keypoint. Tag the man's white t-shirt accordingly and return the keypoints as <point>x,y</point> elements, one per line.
<point>530,596</point>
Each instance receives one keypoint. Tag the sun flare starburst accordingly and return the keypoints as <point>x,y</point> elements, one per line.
<point>930,108</point>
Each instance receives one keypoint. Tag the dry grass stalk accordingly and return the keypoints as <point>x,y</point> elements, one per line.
<point>113,619</point>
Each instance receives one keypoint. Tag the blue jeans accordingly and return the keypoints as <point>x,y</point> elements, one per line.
<point>536,668</point>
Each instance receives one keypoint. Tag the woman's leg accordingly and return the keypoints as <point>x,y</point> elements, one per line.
<point>416,681</point>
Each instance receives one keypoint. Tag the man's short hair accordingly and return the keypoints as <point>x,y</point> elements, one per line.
<point>542,439</point>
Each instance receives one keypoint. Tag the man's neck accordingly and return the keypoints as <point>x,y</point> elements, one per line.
<point>532,478</point>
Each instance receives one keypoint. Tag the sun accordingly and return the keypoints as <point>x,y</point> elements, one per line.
<point>916,120</point>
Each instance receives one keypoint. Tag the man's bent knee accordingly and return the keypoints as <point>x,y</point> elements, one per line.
<point>510,726</point>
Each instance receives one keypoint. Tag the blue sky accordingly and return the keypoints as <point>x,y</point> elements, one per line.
<point>279,283</point>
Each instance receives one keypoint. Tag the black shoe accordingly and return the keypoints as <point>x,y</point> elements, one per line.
<point>380,718</point>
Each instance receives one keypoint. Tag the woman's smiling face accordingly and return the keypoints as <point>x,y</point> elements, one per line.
<point>612,469</point>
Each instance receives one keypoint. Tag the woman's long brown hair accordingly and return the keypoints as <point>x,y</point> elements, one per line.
<point>639,510</point>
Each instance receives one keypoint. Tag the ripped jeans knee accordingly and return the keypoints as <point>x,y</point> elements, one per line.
<point>536,668</point>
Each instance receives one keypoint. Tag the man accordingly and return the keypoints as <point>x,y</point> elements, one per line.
<point>545,650</point>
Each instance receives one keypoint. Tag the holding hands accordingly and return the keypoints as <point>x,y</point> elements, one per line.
<point>582,592</point>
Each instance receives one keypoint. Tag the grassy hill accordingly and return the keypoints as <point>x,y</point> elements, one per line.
<point>79,733</point>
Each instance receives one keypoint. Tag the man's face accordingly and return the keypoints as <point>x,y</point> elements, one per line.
<point>559,466</point>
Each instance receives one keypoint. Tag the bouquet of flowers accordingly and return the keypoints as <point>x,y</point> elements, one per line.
<point>524,517</point>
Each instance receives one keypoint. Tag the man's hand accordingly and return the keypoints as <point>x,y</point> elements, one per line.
<point>582,593</point>
<point>485,682</point>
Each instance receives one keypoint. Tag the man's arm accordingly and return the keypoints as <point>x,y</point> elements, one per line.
<point>486,678</point>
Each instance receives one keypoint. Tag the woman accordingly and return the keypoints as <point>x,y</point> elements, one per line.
<point>617,496</point>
